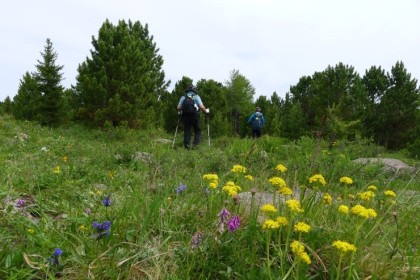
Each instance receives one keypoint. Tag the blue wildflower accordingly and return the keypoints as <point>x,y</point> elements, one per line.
<point>107,201</point>
<point>103,229</point>
<point>181,188</point>
<point>55,259</point>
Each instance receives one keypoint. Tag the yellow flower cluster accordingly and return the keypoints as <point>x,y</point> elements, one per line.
<point>270,224</point>
<point>274,224</point>
<point>282,221</point>
<point>281,168</point>
<point>344,246</point>
<point>285,191</point>
<point>231,189</point>
<point>268,208</point>
<point>327,199</point>
<point>343,209</point>
<point>363,212</point>
<point>346,180</point>
<point>299,250</point>
<point>366,196</point>
<point>249,177</point>
<point>238,169</point>
<point>277,181</point>
<point>302,227</point>
<point>390,193</point>
<point>317,178</point>
<point>294,205</point>
<point>213,180</point>
<point>372,188</point>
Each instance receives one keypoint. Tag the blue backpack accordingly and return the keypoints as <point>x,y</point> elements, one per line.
<point>257,122</point>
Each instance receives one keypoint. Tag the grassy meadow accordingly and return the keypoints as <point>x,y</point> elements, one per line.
<point>125,204</point>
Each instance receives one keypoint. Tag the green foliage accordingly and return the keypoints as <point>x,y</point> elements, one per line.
<point>64,174</point>
<point>123,79</point>
<point>48,79</point>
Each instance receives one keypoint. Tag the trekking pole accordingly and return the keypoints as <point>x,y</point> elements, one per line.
<point>176,130</point>
<point>208,128</point>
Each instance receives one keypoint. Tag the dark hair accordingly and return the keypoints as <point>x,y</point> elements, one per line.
<point>258,109</point>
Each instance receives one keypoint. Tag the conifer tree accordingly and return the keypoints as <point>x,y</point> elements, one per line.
<point>397,110</point>
<point>48,78</point>
<point>27,101</point>
<point>123,80</point>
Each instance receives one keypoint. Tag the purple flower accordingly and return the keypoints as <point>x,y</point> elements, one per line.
<point>107,201</point>
<point>20,203</point>
<point>55,259</point>
<point>234,223</point>
<point>181,188</point>
<point>223,215</point>
<point>103,229</point>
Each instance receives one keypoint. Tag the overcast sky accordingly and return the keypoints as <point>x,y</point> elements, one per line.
<point>271,42</point>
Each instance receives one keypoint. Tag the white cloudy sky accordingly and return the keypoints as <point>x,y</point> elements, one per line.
<point>271,42</point>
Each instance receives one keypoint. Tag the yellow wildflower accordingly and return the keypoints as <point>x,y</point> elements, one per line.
<point>390,193</point>
<point>294,205</point>
<point>344,246</point>
<point>282,221</point>
<point>281,168</point>
<point>366,196</point>
<point>238,169</point>
<point>317,178</point>
<point>249,177</point>
<point>65,159</point>
<point>299,250</point>
<point>82,227</point>
<point>30,230</point>
<point>231,189</point>
<point>268,208</point>
<point>57,170</point>
<point>99,192</point>
<point>285,191</point>
<point>361,211</point>
<point>327,199</point>
<point>277,181</point>
<point>346,180</point>
<point>351,196</point>
<point>302,227</point>
<point>372,188</point>
<point>270,224</point>
<point>343,209</point>
<point>213,180</point>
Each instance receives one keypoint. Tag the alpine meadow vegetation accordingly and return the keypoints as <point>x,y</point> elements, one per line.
<point>116,203</point>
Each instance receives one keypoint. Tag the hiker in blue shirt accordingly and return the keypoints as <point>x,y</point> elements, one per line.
<point>257,122</point>
<point>189,106</point>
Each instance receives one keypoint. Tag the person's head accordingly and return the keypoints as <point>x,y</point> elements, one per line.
<point>191,88</point>
<point>258,109</point>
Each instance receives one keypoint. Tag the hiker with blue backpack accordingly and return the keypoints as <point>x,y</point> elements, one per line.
<point>188,107</point>
<point>257,122</point>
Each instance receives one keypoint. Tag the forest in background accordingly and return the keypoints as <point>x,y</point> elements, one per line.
<point>122,84</point>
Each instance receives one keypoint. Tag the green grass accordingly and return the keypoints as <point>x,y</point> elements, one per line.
<point>64,174</point>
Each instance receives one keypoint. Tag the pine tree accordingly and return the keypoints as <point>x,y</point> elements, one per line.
<point>397,110</point>
<point>27,101</point>
<point>123,80</point>
<point>48,78</point>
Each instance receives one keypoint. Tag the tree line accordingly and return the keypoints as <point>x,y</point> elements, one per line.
<point>122,83</point>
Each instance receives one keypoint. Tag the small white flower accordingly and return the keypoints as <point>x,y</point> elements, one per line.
<point>44,149</point>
